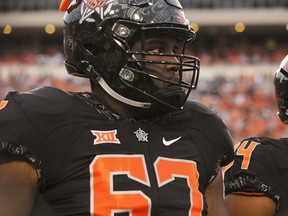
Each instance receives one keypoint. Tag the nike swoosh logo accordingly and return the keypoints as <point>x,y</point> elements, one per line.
<point>170,142</point>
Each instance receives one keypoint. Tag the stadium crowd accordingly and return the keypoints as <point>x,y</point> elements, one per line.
<point>247,105</point>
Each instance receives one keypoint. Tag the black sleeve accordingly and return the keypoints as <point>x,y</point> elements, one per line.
<point>253,174</point>
<point>18,136</point>
<point>27,119</point>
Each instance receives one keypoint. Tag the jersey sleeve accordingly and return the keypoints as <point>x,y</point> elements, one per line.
<point>211,136</point>
<point>222,142</point>
<point>18,135</point>
<point>253,169</point>
<point>212,125</point>
<point>225,143</point>
<point>25,121</point>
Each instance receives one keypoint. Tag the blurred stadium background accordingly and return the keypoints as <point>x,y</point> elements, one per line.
<point>240,44</point>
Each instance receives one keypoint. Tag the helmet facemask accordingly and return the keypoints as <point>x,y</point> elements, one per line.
<point>138,74</point>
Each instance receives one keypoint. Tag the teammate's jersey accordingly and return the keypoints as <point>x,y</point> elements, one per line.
<point>91,161</point>
<point>260,168</point>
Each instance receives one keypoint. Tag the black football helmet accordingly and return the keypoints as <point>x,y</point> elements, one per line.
<point>98,36</point>
<point>281,90</point>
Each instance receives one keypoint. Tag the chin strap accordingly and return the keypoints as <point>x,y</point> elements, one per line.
<point>119,97</point>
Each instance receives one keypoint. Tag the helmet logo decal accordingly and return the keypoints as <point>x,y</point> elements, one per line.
<point>102,7</point>
<point>163,14</point>
<point>92,4</point>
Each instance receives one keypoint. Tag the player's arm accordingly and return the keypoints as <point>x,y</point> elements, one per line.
<point>214,197</point>
<point>239,205</point>
<point>243,196</point>
<point>18,187</point>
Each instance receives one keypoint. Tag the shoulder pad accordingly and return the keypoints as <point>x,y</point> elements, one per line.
<point>207,120</point>
<point>281,143</point>
<point>199,107</point>
<point>45,100</point>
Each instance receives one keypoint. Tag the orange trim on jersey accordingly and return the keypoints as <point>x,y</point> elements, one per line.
<point>64,5</point>
<point>3,104</point>
<point>228,166</point>
<point>236,146</point>
<point>225,168</point>
<point>249,193</point>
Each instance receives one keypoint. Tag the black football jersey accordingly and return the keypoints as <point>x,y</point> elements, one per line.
<point>92,161</point>
<point>260,168</point>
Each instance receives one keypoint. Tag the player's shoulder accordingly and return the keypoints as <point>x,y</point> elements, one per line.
<point>197,106</point>
<point>200,114</point>
<point>206,121</point>
<point>267,151</point>
<point>44,99</point>
<point>268,142</point>
<point>203,118</point>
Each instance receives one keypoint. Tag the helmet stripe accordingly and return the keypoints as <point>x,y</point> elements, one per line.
<point>64,5</point>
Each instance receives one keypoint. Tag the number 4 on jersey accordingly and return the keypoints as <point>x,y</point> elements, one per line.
<point>246,149</point>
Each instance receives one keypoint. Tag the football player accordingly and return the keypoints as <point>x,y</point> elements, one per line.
<point>133,146</point>
<point>257,183</point>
